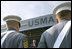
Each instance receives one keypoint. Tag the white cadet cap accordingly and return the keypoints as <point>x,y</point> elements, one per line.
<point>12,17</point>
<point>61,7</point>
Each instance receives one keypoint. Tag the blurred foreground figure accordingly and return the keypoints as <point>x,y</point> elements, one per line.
<point>59,35</point>
<point>12,38</point>
<point>34,43</point>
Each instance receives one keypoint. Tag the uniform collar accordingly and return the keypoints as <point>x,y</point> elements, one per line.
<point>65,20</point>
<point>11,29</point>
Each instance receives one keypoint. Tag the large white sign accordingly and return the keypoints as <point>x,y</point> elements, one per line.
<point>42,21</point>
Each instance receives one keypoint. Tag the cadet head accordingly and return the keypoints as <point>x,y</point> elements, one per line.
<point>12,21</point>
<point>63,11</point>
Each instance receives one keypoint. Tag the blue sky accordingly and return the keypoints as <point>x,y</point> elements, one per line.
<point>27,9</point>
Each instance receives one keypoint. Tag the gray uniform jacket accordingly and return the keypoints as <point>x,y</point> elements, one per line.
<point>49,37</point>
<point>14,40</point>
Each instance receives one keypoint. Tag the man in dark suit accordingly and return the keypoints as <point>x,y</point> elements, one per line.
<point>49,37</point>
<point>12,38</point>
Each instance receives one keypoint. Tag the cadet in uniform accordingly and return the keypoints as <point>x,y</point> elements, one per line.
<point>12,38</point>
<point>50,36</point>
